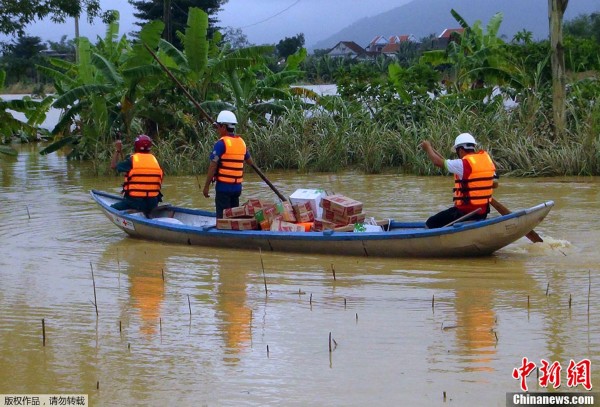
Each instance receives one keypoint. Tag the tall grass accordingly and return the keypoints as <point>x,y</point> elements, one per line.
<point>520,140</point>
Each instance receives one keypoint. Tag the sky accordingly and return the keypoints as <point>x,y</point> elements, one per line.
<point>262,21</point>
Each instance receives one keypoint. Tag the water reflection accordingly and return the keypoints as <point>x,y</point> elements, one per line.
<point>144,269</point>
<point>233,309</point>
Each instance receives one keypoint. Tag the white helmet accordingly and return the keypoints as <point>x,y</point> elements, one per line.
<point>226,117</point>
<point>466,141</point>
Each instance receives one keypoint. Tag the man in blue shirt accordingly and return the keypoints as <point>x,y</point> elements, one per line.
<point>227,164</point>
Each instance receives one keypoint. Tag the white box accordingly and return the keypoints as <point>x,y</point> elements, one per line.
<point>313,196</point>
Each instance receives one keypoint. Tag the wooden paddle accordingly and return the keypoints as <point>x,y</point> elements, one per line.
<point>503,210</point>
<point>210,119</point>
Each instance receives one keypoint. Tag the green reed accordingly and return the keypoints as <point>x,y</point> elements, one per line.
<point>520,139</point>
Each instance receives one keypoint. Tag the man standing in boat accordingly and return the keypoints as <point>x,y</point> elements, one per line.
<point>227,164</point>
<point>474,180</point>
<point>143,176</point>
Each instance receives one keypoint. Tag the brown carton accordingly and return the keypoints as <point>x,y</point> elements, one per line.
<point>341,204</point>
<point>321,224</point>
<point>343,219</point>
<point>237,224</point>
<point>282,226</point>
<point>237,212</point>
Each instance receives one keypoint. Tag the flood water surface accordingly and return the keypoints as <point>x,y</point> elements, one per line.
<point>193,326</point>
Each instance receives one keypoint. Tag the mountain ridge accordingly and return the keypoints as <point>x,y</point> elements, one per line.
<point>424,17</point>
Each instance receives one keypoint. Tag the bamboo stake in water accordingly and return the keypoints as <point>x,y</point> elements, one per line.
<point>118,268</point>
<point>547,289</point>
<point>43,332</point>
<point>94,282</point>
<point>333,271</point>
<point>589,290</point>
<point>569,301</point>
<point>329,342</point>
<point>433,301</point>
<point>189,305</point>
<point>28,214</point>
<point>263,270</point>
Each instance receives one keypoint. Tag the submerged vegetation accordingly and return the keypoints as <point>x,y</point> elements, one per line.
<point>500,92</point>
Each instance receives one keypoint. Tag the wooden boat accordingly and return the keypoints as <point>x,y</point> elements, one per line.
<point>397,239</point>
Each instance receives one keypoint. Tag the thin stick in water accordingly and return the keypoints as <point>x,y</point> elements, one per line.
<point>118,268</point>
<point>94,282</point>
<point>433,301</point>
<point>329,342</point>
<point>267,350</point>
<point>589,289</point>
<point>263,270</point>
<point>344,303</point>
<point>163,274</point>
<point>43,332</point>
<point>547,288</point>
<point>570,301</point>
<point>28,214</point>
<point>189,305</point>
<point>333,271</point>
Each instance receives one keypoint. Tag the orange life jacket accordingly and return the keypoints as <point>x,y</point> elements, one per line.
<point>145,177</point>
<point>231,164</point>
<point>475,189</point>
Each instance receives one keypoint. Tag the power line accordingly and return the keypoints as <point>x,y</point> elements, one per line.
<point>273,16</point>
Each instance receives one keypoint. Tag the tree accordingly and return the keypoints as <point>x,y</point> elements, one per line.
<point>17,14</point>
<point>174,14</point>
<point>21,57</point>
<point>235,37</point>
<point>556,11</point>
<point>289,46</point>
<point>584,26</point>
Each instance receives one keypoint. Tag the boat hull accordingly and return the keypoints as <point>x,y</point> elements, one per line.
<point>465,239</point>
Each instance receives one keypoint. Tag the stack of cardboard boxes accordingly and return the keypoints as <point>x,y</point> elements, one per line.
<point>339,211</point>
<point>308,209</point>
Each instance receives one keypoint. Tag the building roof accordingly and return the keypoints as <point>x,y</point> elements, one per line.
<point>449,31</point>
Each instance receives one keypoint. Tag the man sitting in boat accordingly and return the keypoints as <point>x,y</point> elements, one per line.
<point>143,176</point>
<point>474,181</point>
<point>227,164</point>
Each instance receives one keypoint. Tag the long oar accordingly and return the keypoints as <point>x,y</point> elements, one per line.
<point>503,210</point>
<point>208,118</point>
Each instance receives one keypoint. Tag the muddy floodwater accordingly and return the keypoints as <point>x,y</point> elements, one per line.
<point>192,326</point>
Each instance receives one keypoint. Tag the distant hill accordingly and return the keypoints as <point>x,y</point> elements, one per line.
<point>424,17</point>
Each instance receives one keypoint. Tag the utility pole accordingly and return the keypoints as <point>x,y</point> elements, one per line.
<point>556,11</point>
<point>167,20</point>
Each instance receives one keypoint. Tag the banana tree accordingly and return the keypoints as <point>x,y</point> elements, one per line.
<point>220,78</point>
<point>98,92</point>
<point>478,59</point>
<point>34,111</point>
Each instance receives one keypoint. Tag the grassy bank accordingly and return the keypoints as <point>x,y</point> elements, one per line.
<point>520,141</point>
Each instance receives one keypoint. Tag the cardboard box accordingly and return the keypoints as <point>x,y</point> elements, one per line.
<point>237,212</point>
<point>288,212</point>
<point>305,217</point>
<point>282,226</point>
<point>343,219</point>
<point>237,224</point>
<point>341,204</point>
<point>321,224</point>
<point>312,196</point>
<point>268,214</point>
<point>254,205</point>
